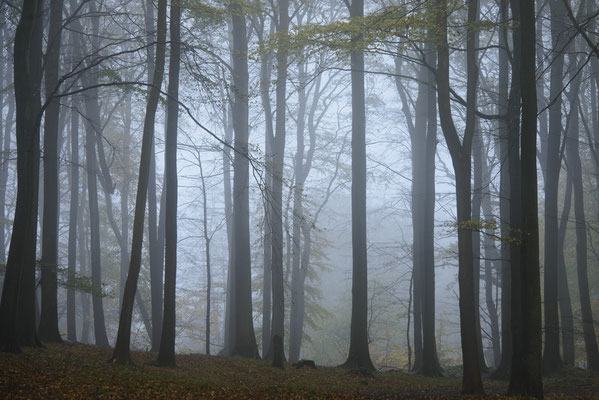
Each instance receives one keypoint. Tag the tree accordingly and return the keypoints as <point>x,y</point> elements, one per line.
<point>358,356</point>
<point>460,155</point>
<point>551,356</point>
<point>423,140</point>
<point>73,212</point>
<point>121,349</point>
<point>48,327</point>
<point>575,169</point>
<point>166,354</point>
<point>244,338</point>
<point>278,160</point>
<point>526,378</point>
<point>17,307</point>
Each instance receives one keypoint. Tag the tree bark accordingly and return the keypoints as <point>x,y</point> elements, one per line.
<point>278,161</point>
<point>575,169</point>
<point>244,340</point>
<point>359,356</point>
<point>166,355</point>
<point>73,212</point>
<point>527,379</point>
<point>460,155</point>
<point>551,355</point>
<point>503,371</point>
<point>48,327</point>
<point>565,303</point>
<point>121,353</point>
<point>17,307</point>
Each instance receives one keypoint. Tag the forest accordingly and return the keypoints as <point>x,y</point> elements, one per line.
<point>299,199</point>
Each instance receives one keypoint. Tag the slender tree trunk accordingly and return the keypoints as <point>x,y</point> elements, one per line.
<point>461,154</point>
<point>83,266</point>
<point>551,355</point>
<point>297,275</point>
<point>504,369</point>
<point>575,169</point>
<point>359,356</point>
<point>477,161</point>
<point>166,356</point>
<point>527,379</point>
<point>121,350</point>
<point>17,307</point>
<point>492,259</point>
<point>207,238</point>
<point>73,212</point>
<point>265,79</point>
<point>94,217</point>
<point>228,208</point>
<point>565,304</point>
<point>4,176</point>
<point>48,328</point>
<point>156,272</point>
<point>276,218</point>
<point>244,340</point>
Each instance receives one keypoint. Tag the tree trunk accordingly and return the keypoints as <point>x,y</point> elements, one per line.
<point>265,79</point>
<point>492,259</point>
<point>92,123</point>
<point>527,378</point>
<point>460,155</point>
<point>575,169</point>
<point>121,350</point>
<point>551,355</point>
<point>228,208</point>
<point>83,266</point>
<point>166,356</point>
<point>244,340</point>
<point>503,371</point>
<point>276,218</point>
<point>477,161</point>
<point>48,327</point>
<point>4,176</point>
<point>73,212</point>
<point>17,307</point>
<point>297,275</point>
<point>359,356</point>
<point>563,291</point>
<point>156,266</point>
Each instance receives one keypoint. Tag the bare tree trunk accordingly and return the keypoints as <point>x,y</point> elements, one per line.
<point>492,259</point>
<point>166,356</point>
<point>565,304</point>
<point>93,123</point>
<point>83,266</point>
<point>17,307</point>
<point>551,355</point>
<point>228,208</point>
<point>297,275</point>
<point>4,177</point>
<point>575,169</point>
<point>121,350</point>
<point>460,155</point>
<point>505,199</point>
<point>276,218</point>
<point>265,79</point>
<point>244,340</point>
<point>73,213</point>
<point>527,379</point>
<point>48,327</point>
<point>359,356</point>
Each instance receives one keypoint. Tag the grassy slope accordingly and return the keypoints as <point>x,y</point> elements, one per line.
<point>81,372</point>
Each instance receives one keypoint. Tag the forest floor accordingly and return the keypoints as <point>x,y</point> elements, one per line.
<point>71,371</point>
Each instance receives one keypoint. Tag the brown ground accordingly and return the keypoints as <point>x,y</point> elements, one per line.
<point>82,372</point>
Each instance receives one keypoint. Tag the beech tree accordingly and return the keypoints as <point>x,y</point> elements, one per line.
<point>17,307</point>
